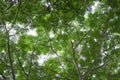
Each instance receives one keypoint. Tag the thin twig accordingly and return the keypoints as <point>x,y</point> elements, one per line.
<point>93,69</point>
<point>4,63</point>
<point>31,62</point>
<point>20,63</point>
<point>18,9</point>
<point>54,51</point>
<point>61,75</point>
<point>82,38</point>
<point>4,77</point>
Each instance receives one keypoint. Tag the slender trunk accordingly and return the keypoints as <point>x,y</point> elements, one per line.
<point>78,70</point>
<point>75,63</point>
<point>9,56</point>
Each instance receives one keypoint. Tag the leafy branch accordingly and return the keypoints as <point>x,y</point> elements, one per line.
<point>91,69</point>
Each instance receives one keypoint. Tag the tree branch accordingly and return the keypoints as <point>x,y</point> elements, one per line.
<point>54,51</point>
<point>75,63</point>
<point>82,38</point>
<point>94,69</point>
<point>90,69</point>
<point>4,78</point>
<point>20,63</point>
<point>9,53</point>
<point>31,62</point>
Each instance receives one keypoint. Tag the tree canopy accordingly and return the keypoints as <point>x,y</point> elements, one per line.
<point>80,39</point>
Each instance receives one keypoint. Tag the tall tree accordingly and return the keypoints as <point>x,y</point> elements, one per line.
<point>80,39</point>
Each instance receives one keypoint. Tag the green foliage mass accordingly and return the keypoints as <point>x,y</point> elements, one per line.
<point>60,39</point>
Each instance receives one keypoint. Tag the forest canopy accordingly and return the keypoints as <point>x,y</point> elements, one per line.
<point>59,39</point>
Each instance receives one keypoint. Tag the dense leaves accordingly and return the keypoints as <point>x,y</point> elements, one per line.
<point>59,39</point>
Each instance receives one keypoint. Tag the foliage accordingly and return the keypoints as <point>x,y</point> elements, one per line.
<point>80,39</point>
